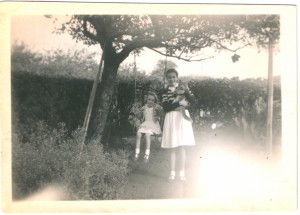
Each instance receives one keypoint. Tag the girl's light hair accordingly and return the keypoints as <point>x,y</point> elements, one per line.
<point>151,93</point>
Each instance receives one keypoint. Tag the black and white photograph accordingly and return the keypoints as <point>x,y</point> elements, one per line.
<point>114,107</point>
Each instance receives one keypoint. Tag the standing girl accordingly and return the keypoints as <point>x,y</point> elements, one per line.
<point>151,114</point>
<point>177,130</point>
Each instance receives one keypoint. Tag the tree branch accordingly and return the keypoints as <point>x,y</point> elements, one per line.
<point>87,33</point>
<point>182,51</point>
<point>180,58</point>
<point>102,27</point>
<point>136,44</point>
<point>153,43</point>
<point>225,47</point>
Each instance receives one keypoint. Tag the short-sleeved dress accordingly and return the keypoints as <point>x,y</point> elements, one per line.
<point>177,131</point>
<point>150,125</point>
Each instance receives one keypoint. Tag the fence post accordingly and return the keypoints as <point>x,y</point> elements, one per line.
<point>270,101</point>
<point>91,100</point>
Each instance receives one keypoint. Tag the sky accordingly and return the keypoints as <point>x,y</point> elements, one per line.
<point>37,32</point>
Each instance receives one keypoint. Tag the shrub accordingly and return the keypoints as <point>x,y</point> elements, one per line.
<point>236,104</point>
<point>51,155</point>
<point>96,173</point>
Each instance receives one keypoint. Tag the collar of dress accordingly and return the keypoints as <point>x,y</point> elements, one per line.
<point>172,88</point>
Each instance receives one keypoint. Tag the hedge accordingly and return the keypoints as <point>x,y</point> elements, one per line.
<point>237,103</point>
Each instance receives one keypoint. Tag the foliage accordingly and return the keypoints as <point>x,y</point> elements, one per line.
<point>47,152</point>
<point>182,36</point>
<point>235,103</point>
<point>160,68</point>
<point>127,72</point>
<point>23,59</point>
<point>263,28</point>
<point>50,155</point>
<point>72,63</point>
<point>79,64</point>
<point>53,100</point>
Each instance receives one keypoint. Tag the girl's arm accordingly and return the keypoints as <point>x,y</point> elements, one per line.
<point>157,112</point>
<point>140,113</point>
<point>167,104</point>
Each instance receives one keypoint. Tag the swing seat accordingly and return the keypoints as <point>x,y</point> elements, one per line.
<point>157,137</point>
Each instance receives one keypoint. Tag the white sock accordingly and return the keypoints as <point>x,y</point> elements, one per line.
<point>137,151</point>
<point>147,152</point>
<point>172,173</point>
<point>181,173</point>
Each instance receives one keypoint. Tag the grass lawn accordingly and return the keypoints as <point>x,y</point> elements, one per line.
<point>224,173</point>
<point>221,169</point>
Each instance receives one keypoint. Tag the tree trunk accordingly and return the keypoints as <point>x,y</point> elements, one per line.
<point>104,97</point>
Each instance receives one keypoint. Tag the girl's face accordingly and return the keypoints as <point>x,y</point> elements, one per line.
<point>172,78</point>
<point>150,100</point>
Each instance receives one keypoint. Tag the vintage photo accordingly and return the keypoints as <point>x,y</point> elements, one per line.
<point>183,107</point>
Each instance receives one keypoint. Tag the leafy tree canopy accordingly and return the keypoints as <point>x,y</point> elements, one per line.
<point>183,36</point>
<point>180,36</point>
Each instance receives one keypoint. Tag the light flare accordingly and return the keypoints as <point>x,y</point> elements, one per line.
<point>232,175</point>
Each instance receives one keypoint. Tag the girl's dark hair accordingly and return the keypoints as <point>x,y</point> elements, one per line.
<point>151,93</point>
<point>171,71</point>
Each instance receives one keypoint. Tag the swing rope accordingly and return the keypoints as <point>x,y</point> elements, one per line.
<point>166,60</point>
<point>134,70</point>
<point>135,81</point>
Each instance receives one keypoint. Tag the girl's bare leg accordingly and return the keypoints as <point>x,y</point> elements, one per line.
<point>148,145</point>
<point>137,145</point>
<point>182,162</point>
<point>172,159</point>
<point>172,164</point>
<point>138,141</point>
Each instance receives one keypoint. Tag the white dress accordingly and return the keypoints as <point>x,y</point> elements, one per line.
<point>149,126</point>
<point>177,131</point>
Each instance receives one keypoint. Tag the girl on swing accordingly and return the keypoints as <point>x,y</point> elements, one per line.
<point>177,130</point>
<point>150,114</point>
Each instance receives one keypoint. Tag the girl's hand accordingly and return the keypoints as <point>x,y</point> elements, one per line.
<point>185,87</point>
<point>184,103</point>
